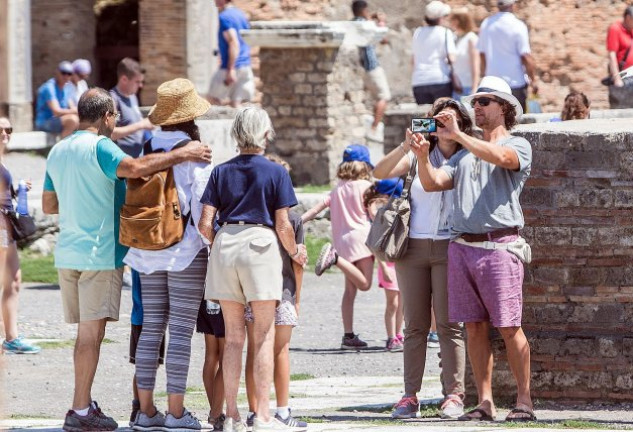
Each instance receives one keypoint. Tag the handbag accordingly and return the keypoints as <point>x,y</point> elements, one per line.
<point>608,81</point>
<point>455,82</point>
<point>23,226</point>
<point>389,233</point>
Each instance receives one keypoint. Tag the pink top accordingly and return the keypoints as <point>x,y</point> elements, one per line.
<point>350,223</point>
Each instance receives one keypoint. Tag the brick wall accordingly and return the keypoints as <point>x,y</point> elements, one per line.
<point>163,43</point>
<point>578,290</point>
<point>61,30</point>
<point>314,108</point>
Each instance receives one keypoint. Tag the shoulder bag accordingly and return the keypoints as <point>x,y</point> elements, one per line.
<point>23,226</point>
<point>389,233</point>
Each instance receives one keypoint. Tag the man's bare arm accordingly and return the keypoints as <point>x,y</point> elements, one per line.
<point>614,69</point>
<point>286,235</point>
<point>50,205</point>
<point>149,164</point>
<point>207,222</point>
<point>123,131</point>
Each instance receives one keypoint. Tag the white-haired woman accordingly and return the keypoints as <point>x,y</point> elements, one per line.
<point>251,197</point>
<point>10,278</point>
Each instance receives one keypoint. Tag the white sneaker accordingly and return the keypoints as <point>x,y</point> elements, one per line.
<point>273,425</point>
<point>231,425</point>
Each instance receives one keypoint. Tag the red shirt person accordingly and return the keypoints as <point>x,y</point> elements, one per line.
<point>619,47</point>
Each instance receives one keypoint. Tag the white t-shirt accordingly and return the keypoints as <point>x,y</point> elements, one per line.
<point>431,212</point>
<point>503,39</point>
<point>430,62</point>
<point>463,63</point>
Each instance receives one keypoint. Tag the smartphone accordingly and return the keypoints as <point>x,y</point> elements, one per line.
<point>423,125</point>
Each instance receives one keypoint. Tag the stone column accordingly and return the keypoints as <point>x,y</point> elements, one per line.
<point>312,85</point>
<point>15,53</point>
<point>176,41</point>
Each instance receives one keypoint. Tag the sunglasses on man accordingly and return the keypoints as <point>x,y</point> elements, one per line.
<point>67,73</point>
<point>484,101</point>
<point>8,130</point>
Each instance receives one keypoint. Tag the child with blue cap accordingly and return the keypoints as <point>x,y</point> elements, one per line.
<point>350,227</point>
<point>374,198</point>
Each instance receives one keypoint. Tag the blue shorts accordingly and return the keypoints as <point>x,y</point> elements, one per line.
<point>53,125</point>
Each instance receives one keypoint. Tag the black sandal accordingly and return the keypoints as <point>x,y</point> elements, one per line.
<point>517,410</point>
<point>483,416</point>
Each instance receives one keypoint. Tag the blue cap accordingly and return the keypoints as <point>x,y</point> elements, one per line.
<point>357,152</point>
<point>389,186</point>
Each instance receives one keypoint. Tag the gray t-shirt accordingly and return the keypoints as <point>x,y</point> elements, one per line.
<point>289,281</point>
<point>130,113</point>
<point>487,196</point>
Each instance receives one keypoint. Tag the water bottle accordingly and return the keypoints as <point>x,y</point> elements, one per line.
<point>23,207</point>
<point>213,308</point>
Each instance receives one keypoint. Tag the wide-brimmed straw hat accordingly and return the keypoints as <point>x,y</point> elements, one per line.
<point>177,102</point>
<point>498,87</point>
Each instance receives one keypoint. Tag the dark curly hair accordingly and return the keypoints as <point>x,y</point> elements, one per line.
<point>576,107</point>
<point>464,121</point>
<point>509,113</point>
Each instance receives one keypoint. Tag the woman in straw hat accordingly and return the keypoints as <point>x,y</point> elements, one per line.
<point>172,279</point>
<point>251,197</point>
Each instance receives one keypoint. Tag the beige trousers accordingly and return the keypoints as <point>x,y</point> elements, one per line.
<point>422,278</point>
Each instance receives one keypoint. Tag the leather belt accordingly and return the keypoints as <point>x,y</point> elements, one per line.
<point>241,223</point>
<point>490,236</point>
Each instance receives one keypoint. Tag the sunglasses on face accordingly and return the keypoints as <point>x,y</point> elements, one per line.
<point>67,73</point>
<point>8,130</point>
<point>483,101</point>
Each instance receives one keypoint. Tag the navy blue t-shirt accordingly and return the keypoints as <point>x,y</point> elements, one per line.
<point>249,188</point>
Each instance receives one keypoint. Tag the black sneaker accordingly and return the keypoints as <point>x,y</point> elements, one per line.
<point>95,420</point>
<point>218,423</point>
<point>353,343</point>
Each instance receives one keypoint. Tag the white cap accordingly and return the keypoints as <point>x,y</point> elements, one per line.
<point>436,10</point>
<point>82,66</point>
<point>506,2</point>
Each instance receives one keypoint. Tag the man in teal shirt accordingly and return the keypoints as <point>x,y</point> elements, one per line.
<point>84,185</point>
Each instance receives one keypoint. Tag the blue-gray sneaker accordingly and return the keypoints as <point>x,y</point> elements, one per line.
<point>185,423</point>
<point>143,422</point>
<point>19,346</point>
<point>290,421</point>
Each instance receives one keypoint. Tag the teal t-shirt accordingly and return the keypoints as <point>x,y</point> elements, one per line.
<point>81,170</point>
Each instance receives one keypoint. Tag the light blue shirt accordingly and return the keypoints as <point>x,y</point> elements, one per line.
<point>81,170</point>
<point>46,93</point>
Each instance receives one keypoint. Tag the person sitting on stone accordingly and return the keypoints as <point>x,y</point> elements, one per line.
<point>78,85</point>
<point>54,111</point>
<point>576,107</point>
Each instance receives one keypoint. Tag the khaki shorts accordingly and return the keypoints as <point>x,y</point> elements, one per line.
<point>90,295</point>
<point>244,265</point>
<point>241,90</point>
<point>376,82</point>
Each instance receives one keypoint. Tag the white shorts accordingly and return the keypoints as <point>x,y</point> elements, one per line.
<point>376,82</point>
<point>244,265</point>
<point>241,90</point>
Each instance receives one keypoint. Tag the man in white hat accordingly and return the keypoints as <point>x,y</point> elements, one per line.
<point>505,52</point>
<point>78,85</point>
<point>485,269</point>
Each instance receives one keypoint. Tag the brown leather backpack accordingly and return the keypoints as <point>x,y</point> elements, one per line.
<point>151,218</point>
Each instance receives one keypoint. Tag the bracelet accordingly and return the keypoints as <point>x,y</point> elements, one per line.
<point>296,253</point>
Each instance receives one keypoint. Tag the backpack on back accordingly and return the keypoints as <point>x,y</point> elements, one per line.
<point>151,218</point>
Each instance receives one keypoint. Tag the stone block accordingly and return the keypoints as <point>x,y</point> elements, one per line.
<point>623,198</point>
<point>624,381</point>
<point>553,235</point>
<point>608,347</point>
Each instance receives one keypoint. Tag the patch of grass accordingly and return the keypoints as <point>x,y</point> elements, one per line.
<point>108,341</point>
<point>566,424</point>
<point>314,245</point>
<point>301,377</point>
<point>57,344</point>
<point>314,419</point>
<point>38,268</point>
<point>314,188</point>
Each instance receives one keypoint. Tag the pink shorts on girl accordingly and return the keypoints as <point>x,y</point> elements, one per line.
<point>383,283</point>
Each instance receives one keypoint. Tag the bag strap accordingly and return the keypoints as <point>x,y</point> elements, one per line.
<point>626,56</point>
<point>409,179</point>
<point>147,147</point>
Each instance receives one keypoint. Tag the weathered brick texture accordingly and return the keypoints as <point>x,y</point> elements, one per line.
<point>314,107</point>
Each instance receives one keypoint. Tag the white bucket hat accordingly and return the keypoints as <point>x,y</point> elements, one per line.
<point>495,86</point>
<point>436,10</point>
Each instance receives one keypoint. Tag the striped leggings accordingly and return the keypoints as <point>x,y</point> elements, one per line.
<point>169,299</point>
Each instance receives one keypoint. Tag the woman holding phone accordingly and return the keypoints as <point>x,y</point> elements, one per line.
<point>422,275</point>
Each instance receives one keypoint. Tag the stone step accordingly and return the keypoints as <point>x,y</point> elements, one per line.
<point>35,140</point>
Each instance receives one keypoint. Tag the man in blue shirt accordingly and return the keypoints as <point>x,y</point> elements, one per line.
<point>84,185</point>
<point>54,111</point>
<point>234,81</point>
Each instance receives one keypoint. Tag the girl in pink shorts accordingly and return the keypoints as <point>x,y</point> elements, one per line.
<point>374,198</point>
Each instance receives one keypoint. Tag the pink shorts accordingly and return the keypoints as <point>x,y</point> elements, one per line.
<point>485,285</point>
<point>382,283</point>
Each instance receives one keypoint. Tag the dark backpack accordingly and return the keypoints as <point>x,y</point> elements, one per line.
<point>151,218</point>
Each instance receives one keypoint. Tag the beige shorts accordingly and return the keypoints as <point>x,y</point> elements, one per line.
<point>241,90</point>
<point>90,295</point>
<point>244,265</point>
<point>377,84</point>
